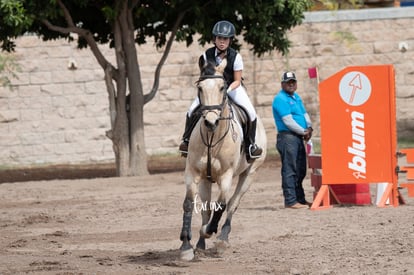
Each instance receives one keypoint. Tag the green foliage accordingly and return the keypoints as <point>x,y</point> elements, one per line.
<point>13,21</point>
<point>406,143</point>
<point>13,11</point>
<point>263,24</point>
<point>340,4</point>
<point>345,37</point>
<point>8,67</point>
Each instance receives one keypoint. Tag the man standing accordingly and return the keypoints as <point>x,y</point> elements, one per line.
<point>294,127</point>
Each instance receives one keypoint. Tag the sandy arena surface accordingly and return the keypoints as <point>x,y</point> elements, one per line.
<point>132,226</point>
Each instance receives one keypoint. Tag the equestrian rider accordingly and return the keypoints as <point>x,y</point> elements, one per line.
<point>223,33</point>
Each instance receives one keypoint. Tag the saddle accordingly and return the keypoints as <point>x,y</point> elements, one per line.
<point>242,117</point>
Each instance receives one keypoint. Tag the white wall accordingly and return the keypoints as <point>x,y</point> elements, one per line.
<point>57,116</point>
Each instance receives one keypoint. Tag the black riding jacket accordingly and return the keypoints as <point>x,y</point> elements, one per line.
<point>231,56</point>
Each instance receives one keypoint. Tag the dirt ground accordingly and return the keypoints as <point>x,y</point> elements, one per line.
<point>132,225</point>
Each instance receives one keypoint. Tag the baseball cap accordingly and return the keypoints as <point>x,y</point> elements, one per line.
<point>288,76</point>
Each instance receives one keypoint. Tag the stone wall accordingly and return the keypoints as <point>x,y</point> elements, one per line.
<point>57,115</point>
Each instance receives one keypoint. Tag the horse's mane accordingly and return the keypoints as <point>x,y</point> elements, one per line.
<point>206,68</point>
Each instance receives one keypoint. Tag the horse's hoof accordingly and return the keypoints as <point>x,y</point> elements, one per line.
<point>203,232</point>
<point>220,247</point>
<point>223,238</point>
<point>187,255</point>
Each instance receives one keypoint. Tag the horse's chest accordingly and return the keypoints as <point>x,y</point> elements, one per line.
<point>217,165</point>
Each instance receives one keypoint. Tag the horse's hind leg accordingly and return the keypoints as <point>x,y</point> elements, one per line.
<point>219,208</point>
<point>207,230</point>
<point>220,205</point>
<point>242,186</point>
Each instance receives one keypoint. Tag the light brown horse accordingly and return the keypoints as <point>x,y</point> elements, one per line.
<point>216,155</point>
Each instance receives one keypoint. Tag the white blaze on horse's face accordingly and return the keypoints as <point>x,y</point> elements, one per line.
<point>212,95</point>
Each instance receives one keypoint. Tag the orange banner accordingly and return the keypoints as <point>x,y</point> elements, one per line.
<point>358,131</point>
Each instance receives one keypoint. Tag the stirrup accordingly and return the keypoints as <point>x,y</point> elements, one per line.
<point>183,148</point>
<point>252,149</point>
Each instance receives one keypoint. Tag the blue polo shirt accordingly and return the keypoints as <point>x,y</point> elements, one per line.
<point>285,104</point>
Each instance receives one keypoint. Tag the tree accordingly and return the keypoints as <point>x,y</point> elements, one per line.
<point>122,24</point>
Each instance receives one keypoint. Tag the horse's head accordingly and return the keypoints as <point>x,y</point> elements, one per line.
<point>212,93</point>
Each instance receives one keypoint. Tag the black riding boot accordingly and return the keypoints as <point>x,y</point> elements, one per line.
<point>190,123</point>
<point>253,150</point>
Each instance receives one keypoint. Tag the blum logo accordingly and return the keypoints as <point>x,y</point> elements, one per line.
<point>358,163</point>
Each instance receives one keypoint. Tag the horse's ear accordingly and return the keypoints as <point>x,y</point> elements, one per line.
<point>220,68</point>
<point>201,62</point>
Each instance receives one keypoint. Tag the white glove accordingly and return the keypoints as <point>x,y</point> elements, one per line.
<point>229,89</point>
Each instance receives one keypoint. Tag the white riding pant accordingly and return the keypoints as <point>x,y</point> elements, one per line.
<point>239,96</point>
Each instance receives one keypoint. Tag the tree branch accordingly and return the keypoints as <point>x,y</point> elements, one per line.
<point>86,34</point>
<point>66,14</point>
<point>134,3</point>
<point>148,97</point>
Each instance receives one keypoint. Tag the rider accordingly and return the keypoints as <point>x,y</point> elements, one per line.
<point>223,33</point>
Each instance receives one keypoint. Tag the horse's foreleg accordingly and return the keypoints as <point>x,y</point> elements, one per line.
<point>205,197</point>
<point>186,248</point>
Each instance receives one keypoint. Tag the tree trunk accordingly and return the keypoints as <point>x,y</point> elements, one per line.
<point>120,130</point>
<point>128,61</point>
<point>126,111</point>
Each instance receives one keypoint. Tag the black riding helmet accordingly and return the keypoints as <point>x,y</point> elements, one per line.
<point>224,29</point>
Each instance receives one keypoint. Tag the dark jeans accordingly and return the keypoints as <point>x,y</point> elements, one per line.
<point>293,156</point>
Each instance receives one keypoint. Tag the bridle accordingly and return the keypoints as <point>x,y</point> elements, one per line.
<point>218,109</point>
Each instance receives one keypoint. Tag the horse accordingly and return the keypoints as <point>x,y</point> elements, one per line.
<point>216,154</point>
